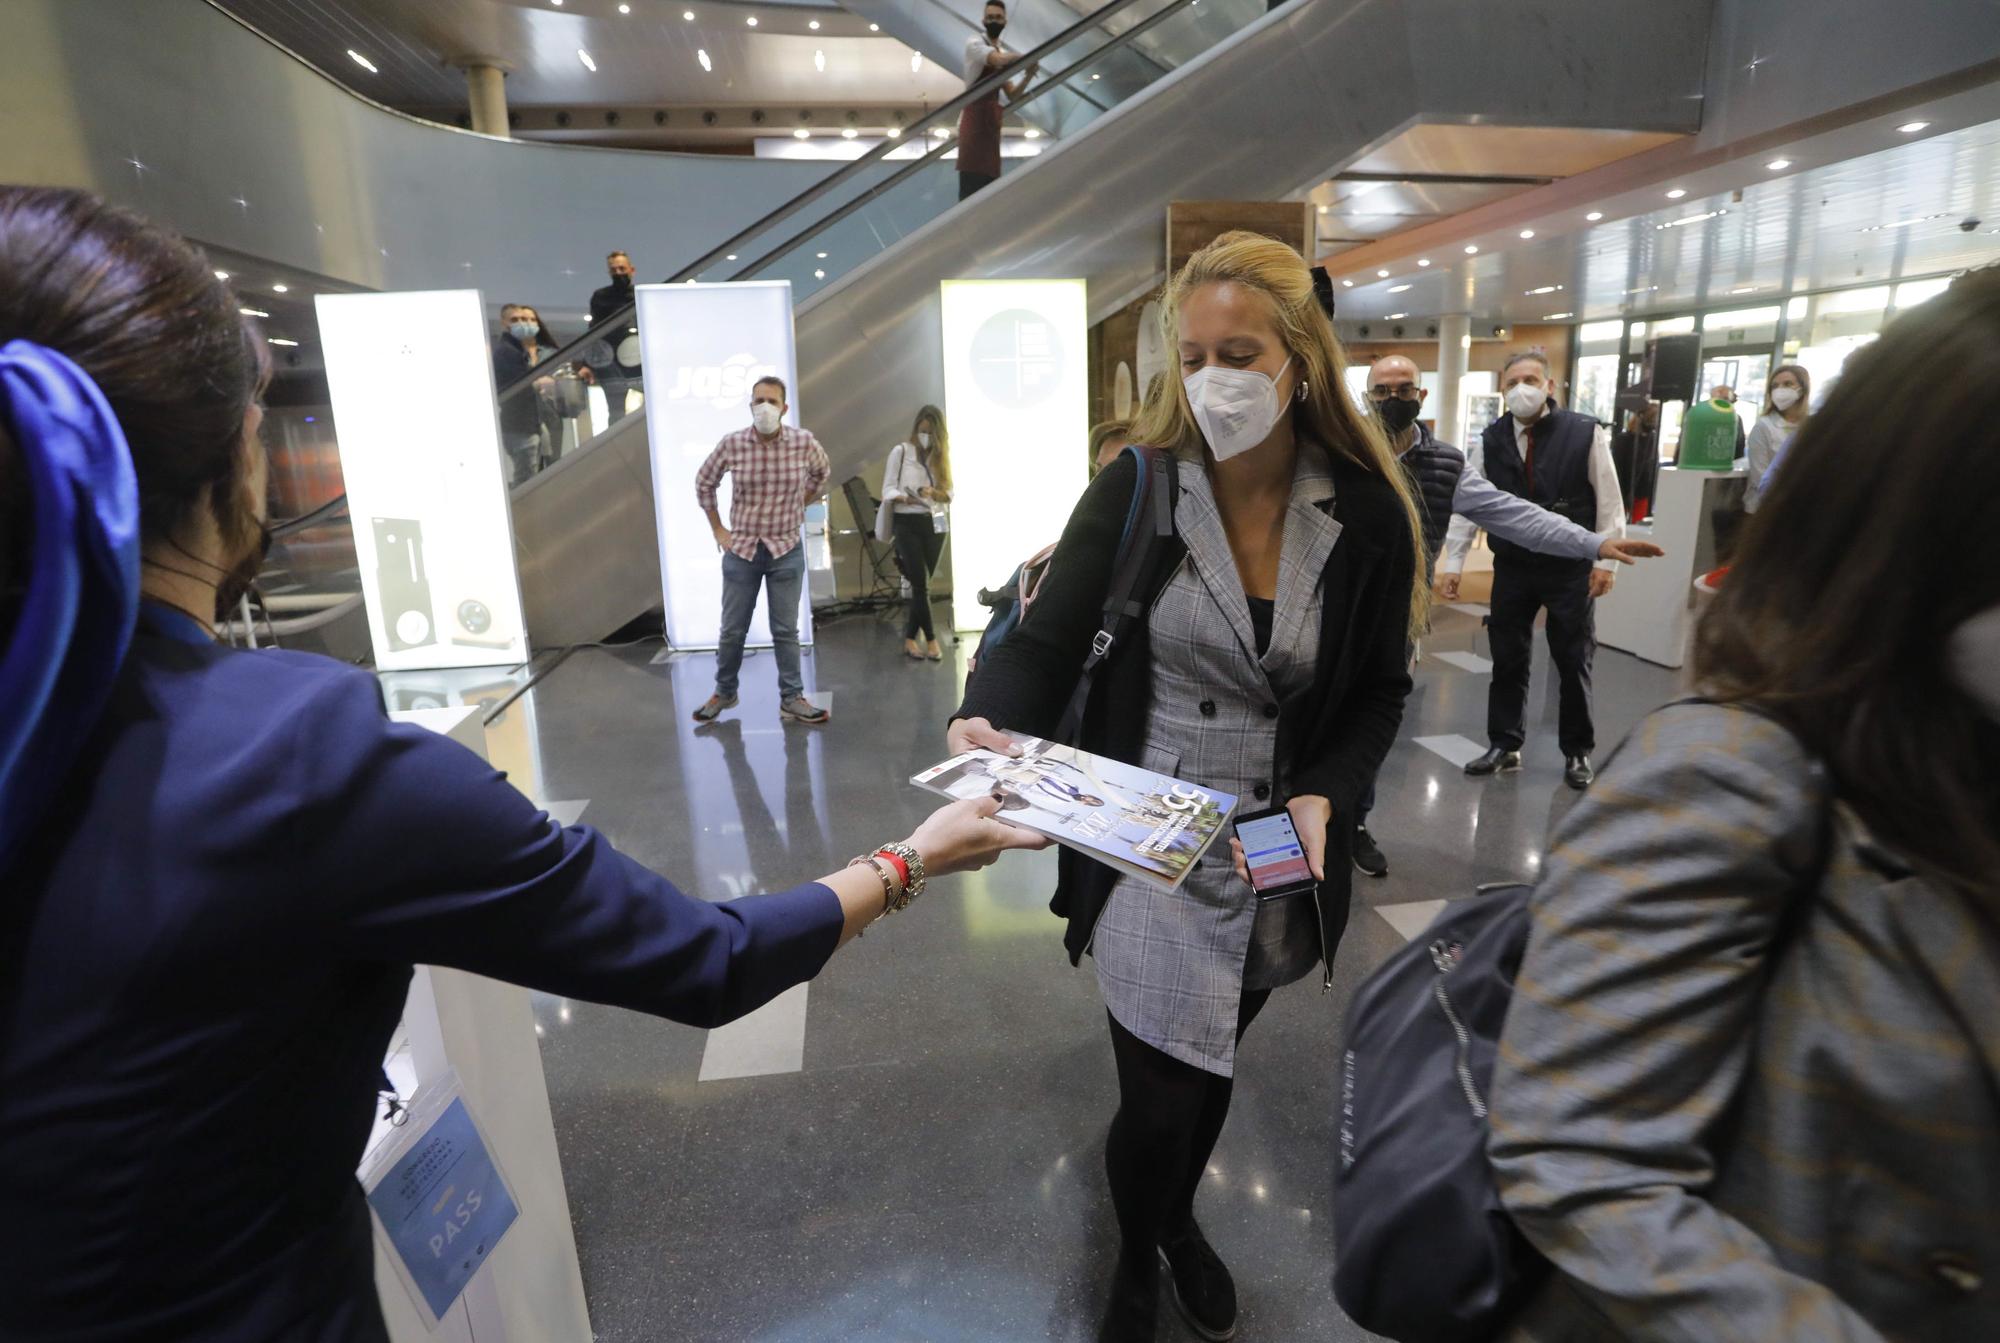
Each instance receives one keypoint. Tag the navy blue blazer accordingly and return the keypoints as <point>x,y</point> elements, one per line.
<point>202,960</point>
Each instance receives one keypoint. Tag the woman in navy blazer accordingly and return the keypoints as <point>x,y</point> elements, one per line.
<point>217,867</point>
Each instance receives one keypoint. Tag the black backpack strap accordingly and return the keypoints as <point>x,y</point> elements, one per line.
<point>1148,524</point>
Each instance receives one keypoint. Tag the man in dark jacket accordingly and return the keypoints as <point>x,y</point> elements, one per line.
<point>1560,461</point>
<point>615,356</point>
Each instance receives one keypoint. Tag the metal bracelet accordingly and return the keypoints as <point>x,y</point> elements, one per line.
<point>881,869</point>
<point>918,874</point>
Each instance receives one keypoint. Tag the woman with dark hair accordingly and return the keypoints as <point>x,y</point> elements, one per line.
<point>916,484</point>
<point>217,867</point>
<point>1789,394</point>
<point>1748,1087</point>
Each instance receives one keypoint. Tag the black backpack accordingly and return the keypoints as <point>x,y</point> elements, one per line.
<point>1423,1250</point>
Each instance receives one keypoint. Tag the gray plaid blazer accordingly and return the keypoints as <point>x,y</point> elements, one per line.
<point>1172,965</point>
<point>1749,1086</point>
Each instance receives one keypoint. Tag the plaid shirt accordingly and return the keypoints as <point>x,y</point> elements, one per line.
<point>775,479</point>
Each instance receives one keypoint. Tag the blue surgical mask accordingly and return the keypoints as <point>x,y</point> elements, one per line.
<point>523,331</point>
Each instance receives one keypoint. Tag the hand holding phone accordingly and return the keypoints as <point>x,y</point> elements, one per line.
<point>1273,856</point>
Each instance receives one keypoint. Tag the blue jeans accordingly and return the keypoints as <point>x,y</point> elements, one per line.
<point>782,578</point>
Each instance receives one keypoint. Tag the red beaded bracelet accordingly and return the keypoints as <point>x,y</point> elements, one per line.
<point>902,868</point>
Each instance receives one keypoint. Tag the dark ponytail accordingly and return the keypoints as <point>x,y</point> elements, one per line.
<point>140,311</point>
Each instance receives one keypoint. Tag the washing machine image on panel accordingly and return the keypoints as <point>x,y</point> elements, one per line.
<point>403,583</point>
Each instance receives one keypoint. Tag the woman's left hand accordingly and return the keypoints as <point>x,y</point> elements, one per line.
<point>1310,816</point>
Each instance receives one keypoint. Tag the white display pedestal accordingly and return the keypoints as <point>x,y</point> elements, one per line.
<point>531,1289</point>
<point>1649,613</point>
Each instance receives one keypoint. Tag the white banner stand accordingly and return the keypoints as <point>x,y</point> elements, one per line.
<point>704,347</point>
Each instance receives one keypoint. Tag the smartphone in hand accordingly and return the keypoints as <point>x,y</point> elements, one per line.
<point>1272,852</point>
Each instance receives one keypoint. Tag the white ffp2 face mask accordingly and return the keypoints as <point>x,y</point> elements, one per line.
<point>1236,407</point>
<point>1784,398</point>
<point>766,417</point>
<point>924,439</point>
<point>1526,401</point>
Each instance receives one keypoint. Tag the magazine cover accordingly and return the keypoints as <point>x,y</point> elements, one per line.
<point>1145,824</point>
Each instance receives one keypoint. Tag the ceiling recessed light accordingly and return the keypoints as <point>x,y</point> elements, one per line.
<point>1397,316</point>
<point>1324,208</point>
<point>588,64</point>
<point>1472,249</point>
<point>895,132</point>
<point>1031,133</point>
<point>1912,127</point>
<point>814,25</point>
<point>688,14</point>
<point>1545,289</point>
<point>1423,261</point>
<point>752,20</point>
<point>1676,193</point>
<point>1527,233</point>
<point>819,61</point>
<point>253,312</point>
<point>819,275</point>
<point>1593,216</point>
<point>281,289</point>
<point>1097,77</point>
<point>362,61</point>
<point>802,134</point>
<point>1397,288</point>
<point>822,256</point>
<point>222,275</point>
<point>557,3</point>
<point>701,54</point>
<point>1902,223</point>
<point>1381,274</point>
<point>1347,284</point>
<point>624,9</point>
<point>1558,316</point>
<point>1692,219</point>
<point>1778,165</point>
<point>874,27</point>
<point>941,132</point>
<point>848,133</point>
<point>730,257</point>
<point>280,340</point>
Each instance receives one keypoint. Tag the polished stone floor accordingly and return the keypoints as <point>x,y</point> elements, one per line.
<point>921,1157</point>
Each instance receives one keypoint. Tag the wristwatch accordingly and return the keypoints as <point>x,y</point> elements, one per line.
<point>914,886</point>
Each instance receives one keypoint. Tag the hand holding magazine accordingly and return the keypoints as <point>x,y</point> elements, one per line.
<point>1144,824</point>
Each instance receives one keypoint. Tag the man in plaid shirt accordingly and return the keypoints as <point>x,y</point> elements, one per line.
<point>778,469</point>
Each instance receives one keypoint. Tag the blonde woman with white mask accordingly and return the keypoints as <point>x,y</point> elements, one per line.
<point>916,488</point>
<point>1788,392</point>
<point>1268,662</point>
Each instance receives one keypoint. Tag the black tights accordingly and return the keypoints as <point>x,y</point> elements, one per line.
<point>918,545</point>
<point>1169,1115</point>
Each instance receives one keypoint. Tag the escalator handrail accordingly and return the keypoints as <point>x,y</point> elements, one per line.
<point>943,147</point>
<point>572,352</point>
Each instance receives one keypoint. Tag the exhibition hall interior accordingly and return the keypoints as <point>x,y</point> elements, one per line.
<point>1422,549</point>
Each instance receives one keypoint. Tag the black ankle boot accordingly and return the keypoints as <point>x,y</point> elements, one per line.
<point>1203,1290</point>
<point>1134,1310</point>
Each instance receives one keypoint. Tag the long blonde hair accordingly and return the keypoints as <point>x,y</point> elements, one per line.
<point>1328,415</point>
<point>938,457</point>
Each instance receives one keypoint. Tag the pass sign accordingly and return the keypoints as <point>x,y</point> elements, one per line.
<point>443,1207</point>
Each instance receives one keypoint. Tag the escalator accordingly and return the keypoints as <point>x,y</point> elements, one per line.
<point>1139,103</point>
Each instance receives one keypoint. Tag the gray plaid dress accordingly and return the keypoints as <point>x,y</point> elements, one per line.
<point>1173,965</point>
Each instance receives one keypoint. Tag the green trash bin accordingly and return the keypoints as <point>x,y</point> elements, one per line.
<point>1708,437</point>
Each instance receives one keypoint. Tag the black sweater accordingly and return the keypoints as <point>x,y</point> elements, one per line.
<point>1331,738</point>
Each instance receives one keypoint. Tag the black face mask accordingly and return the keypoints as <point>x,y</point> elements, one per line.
<point>1397,414</point>
<point>621,282</point>
<point>995,27</point>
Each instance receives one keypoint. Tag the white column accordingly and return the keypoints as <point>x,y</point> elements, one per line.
<point>486,89</point>
<point>1454,353</point>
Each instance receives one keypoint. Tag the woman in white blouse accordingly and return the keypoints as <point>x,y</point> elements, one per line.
<point>1790,389</point>
<point>917,487</point>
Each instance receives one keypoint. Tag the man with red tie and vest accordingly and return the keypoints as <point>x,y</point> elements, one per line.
<point>1560,461</point>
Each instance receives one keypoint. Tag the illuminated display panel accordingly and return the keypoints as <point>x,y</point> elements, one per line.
<point>1017,402</point>
<point>410,377</point>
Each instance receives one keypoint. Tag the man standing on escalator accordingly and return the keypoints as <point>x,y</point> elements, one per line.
<point>614,358</point>
<point>979,123</point>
